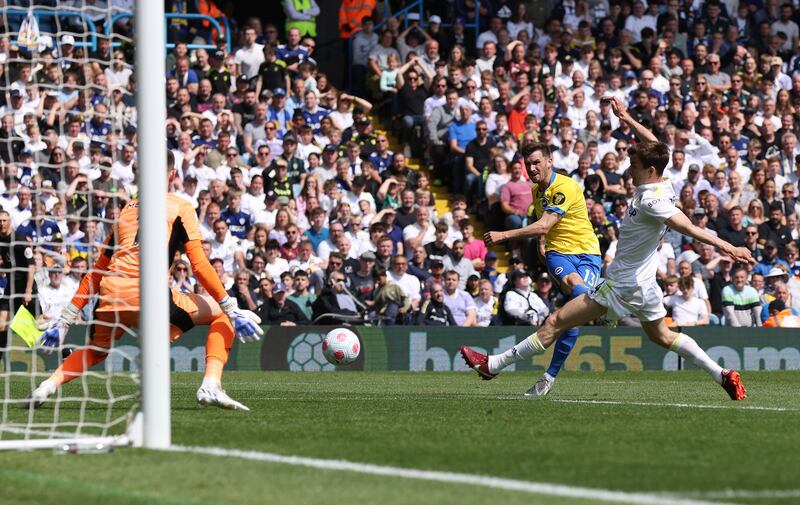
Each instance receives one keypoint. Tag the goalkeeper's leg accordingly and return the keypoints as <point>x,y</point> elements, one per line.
<point>205,311</point>
<point>108,327</point>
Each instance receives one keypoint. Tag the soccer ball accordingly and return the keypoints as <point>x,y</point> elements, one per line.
<point>341,346</point>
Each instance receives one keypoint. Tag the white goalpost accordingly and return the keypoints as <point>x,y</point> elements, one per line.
<point>154,316</point>
<point>126,399</point>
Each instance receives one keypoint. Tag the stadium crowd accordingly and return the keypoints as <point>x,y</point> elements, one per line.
<point>308,216</point>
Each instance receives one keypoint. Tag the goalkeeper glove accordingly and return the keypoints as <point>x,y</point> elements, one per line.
<point>245,322</point>
<point>56,330</point>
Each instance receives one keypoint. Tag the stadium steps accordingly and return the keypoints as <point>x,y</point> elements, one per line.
<point>442,196</point>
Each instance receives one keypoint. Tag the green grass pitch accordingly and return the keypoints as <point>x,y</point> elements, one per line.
<point>633,432</point>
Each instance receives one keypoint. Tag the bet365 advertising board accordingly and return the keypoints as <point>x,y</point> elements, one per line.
<point>408,348</point>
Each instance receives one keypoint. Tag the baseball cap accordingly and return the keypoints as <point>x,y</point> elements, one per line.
<point>435,20</point>
<point>47,183</point>
<point>67,40</point>
<point>219,54</point>
<point>283,200</point>
<point>330,148</point>
<point>279,287</point>
<point>368,256</point>
<point>515,260</point>
<point>776,60</point>
<point>491,255</point>
<point>290,138</point>
<point>605,125</point>
<point>412,16</point>
<point>437,263</point>
<point>699,211</point>
<point>15,92</point>
<point>359,180</point>
<point>630,74</point>
<point>544,276</point>
<point>363,121</point>
<point>771,243</point>
<point>26,152</point>
<point>278,91</point>
<point>694,167</point>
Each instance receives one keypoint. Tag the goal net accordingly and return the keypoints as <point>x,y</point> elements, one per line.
<point>67,140</point>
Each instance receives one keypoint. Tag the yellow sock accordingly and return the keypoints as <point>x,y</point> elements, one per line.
<point>537,344</point>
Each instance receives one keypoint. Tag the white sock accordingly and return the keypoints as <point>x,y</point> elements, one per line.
<point>519,352</point>
<point>48,387</point>
<point>688,349</point>
<point>210,383</point>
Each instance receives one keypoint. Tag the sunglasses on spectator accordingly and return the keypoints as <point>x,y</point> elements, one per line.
<point>232,155</point>
<point>752,233</point>
<point>182,269</point>
<point>621,148</point>
<point>263,153</point>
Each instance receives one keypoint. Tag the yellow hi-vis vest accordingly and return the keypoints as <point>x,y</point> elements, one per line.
<point>306,27</point>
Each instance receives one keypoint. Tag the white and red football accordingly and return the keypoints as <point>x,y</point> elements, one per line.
<point>341,346</point>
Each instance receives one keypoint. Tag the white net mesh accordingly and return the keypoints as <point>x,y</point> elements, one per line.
<point>66,146</point>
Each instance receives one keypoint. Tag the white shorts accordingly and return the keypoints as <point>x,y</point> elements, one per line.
<point>644,301</point>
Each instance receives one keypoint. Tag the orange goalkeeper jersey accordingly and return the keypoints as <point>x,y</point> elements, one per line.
<point>117,271</point>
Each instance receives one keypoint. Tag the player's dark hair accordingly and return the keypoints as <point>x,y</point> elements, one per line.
<point>530,148</point>
<point>652,154</point>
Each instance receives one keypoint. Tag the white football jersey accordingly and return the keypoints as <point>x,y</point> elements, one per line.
<point>636,259</point>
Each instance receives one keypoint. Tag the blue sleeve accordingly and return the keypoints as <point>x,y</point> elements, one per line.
<point>452,131</point>
<point>764,313</point>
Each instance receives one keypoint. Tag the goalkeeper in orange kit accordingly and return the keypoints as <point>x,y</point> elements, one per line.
<point>115,277</point>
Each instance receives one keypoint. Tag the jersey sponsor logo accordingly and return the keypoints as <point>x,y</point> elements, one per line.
<point>558,270</point>
<point>28,253</point>
<point>559,198</point>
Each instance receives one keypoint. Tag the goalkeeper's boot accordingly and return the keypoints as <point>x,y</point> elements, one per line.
<point>478,362</point>
<point>38,397</point>
<point>217,397</point>
<point>733,385</point>
<point>542,386</point>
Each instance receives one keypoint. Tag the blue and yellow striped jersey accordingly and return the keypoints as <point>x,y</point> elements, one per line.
<point>573,233</point>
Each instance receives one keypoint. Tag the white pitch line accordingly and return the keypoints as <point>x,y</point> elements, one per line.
<point>539,488</point>
<point>741,493</point>
<point>677,405</point>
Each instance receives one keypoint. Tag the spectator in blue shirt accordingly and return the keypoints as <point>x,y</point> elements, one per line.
<point>770,259</point>
<point>317,233</point>
<point>459,134</point>
<point>239,222</point>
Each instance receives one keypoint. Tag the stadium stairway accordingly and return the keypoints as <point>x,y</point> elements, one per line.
<point>442,196</point>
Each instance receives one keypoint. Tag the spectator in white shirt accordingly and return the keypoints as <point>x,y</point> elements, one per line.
<point>251,56</point>
<point>410,284</point>
<point>687,309</point>
<point>485,302</point>
<point>55,296</point>
<point>225,247</point>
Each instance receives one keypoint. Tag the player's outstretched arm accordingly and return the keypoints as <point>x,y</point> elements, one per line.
<point>680,223</point>
<point>621,111</point>
<point>537,229</point>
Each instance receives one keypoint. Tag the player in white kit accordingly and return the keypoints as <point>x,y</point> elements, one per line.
<point>630,286</point>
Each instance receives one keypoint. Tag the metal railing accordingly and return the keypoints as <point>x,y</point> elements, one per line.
<point>170,15</point>
<point>61,12</point>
